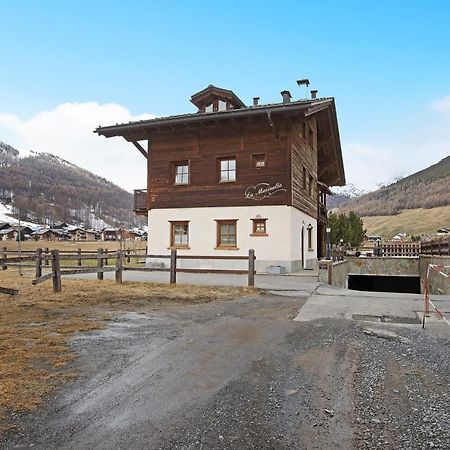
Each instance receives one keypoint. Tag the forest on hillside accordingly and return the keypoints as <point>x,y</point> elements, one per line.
<point>47,188</point>
<point>428,188</point>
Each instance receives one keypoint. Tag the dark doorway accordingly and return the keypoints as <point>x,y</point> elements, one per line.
<point>377,283</point>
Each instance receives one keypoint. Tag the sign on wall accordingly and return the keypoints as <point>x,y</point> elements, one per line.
<point>261,191</point>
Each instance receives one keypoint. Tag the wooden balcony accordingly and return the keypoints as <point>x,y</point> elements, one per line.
<point>140,201</point>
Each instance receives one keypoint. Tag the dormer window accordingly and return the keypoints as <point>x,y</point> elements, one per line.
<point>214,99</point>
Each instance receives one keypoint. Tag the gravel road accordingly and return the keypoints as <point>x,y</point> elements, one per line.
<point>242,374</point>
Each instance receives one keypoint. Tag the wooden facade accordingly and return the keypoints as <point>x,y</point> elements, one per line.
<point>284,154</point>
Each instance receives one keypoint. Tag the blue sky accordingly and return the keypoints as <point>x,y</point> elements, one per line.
<point>69,66</point>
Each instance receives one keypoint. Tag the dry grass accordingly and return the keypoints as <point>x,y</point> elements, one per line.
<point>36,324</point>
<point>410,221</point>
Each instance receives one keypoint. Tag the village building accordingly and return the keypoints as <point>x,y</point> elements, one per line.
<point>231,177</point>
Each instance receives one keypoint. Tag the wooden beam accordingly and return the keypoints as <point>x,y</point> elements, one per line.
<point>140,148</point>
<point>8,291</point>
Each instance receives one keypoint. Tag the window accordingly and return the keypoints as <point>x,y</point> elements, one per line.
<point>222,105</point>
<point>259,227</point>
<point>259,161</point>
<point>310,185</point>
<point>310,228</point>
<point>226,234</point>
<point>182,172</point>
<point>179,234</point>
<point>227,169</point>
<point>209,107</point>
<point>304,178</point>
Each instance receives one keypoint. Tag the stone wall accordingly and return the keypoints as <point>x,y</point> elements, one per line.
<point>387,266</point>
<point>438,283</point>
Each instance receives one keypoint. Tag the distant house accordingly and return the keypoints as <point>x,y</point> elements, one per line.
<point>76,234</point>
<point>443,231</point>
<point>59,226</point>
<point>92,235</point>
<point>4,225</point>
<point>7,234</point>
<point>110,234</point>
<point>49,234</point>
<point>399,237</point>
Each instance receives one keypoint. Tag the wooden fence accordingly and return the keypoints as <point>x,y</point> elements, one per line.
<point>440,246</point>
<point>40,260</point>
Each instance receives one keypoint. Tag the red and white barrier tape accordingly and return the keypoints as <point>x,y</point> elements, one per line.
<point>439,269</point>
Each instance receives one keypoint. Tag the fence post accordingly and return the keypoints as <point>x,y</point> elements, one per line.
<point>106,256</point>
<point>119,267</point>
<point>173,266</point>
<point>99,263</point>
<point>46,259</point>
<point>4,257</point>
<point>38,262</point>
<point>56,268</point>
<point>251,267</point>
<point>79,256</point>
<point>128,256</point>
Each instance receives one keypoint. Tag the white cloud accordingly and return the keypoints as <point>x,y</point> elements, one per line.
<point>367,166</point>
<point>442,104</point>
<point>67,131</point>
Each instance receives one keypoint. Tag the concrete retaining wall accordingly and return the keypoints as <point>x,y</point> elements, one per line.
<point>387,266</point>
<point>335,273</point>
<point>438,283</point>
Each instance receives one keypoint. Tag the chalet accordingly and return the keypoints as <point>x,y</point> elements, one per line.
<point>110,234</point>
<point>232,177</point>
<point>76,234</point>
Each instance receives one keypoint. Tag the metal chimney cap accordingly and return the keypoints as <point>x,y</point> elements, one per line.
<point>303,81</point>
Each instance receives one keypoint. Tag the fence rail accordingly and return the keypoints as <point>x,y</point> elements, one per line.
<point>38,259</point>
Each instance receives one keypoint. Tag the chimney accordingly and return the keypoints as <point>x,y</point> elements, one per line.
<point>286,96</point>
<point>255,101</point>
<point>314,94</point>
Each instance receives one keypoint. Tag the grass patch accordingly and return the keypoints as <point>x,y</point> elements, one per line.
<point>36,325</point>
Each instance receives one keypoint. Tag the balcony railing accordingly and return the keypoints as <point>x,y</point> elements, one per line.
<point>140,201</point>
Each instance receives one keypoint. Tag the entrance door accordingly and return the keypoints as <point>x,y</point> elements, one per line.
<point>302,247</point>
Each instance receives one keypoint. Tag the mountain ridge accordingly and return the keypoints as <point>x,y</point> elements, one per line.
<point>48,188</point>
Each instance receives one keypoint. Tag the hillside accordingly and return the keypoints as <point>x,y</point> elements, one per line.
<point>426,189</point>
<point>48,189</point>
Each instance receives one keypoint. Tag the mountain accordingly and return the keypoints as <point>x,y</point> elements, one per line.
<point>47,189</point>
<point>426,189</point>
<point>417,204</point>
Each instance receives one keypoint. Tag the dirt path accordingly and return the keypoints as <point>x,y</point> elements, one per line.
<point>242,374</point>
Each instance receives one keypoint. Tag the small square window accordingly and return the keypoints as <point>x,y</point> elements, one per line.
<point>259,161</point>
<point>227,169</point>
<point>179,234</point>
<point>259,227</point>
<point>181,173</point>
<point>226,234</point>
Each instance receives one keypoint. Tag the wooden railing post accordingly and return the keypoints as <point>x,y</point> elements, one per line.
<point>79,256</point>
<point>56,268</point>
<point>4,267</point>
<point>119,267</point>
<point>251,267</point>
<point>38,262</point>
<point>128,256</point>
<point>99,263</point>
<point>173,266</point>
<point>106,256</point>
<point>46,259</point>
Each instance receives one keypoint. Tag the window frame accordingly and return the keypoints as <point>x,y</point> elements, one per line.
<point>309,229</point>
<point>255,157</point>
<point>175,165</point>
<point>173,224</point>
<point>219,168</point>
<point>255,223</point>
<point>219,223</point>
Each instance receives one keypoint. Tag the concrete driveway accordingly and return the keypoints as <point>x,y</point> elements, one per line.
<point>242,374</point>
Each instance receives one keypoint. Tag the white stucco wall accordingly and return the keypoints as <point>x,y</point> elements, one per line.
<point>280,247</point>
